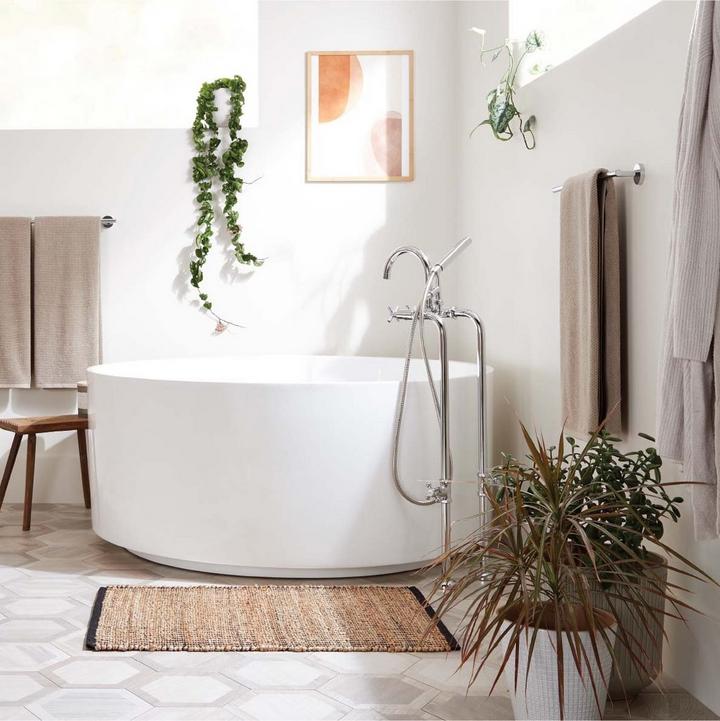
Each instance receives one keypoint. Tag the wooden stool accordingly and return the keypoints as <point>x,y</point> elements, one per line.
<point>30,427</point>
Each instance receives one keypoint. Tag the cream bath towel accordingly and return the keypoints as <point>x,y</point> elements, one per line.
<point>15,265</point>
<point>590,326</point>
<point>66,300</point>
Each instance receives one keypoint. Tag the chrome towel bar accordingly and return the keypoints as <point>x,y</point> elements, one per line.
<point>637,174</point>
<point>107,221</point>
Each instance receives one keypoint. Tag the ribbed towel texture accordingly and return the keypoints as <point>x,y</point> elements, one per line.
<point>688,404</point>
<point>15,307</point>
<point>590,325</point>
<point>66,300</point>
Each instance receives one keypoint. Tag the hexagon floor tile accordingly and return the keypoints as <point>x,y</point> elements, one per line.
<point>74,645</point>
<point>61,566</point>
<point>41,586</point>
<point>187,660</point>
<point>89,704</point>
<point>28,656</point>
<point>69,553</point>
<point>87,671</point>
<point>31,629</point>
<point>11,560</point>
<point>81,537</point>
<point>43,607</point>
<point>665,706</point>
<point>187,689</point>
<point>443,671</point>
<point>290,705</point>
<point>394,714</point>
<point>458,707</point>
<point>48,582</point>
<point>21,687</point>
<point>262,673</point>
<point>9,574</point>
<point>185,713</point>
<point>369,690</point>
<point>16,713</point>
<point>372,662</point>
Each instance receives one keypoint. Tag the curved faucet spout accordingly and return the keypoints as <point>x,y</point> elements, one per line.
<point>413,251</point>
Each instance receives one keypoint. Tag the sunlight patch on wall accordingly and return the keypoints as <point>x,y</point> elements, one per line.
<point>120,63</point>
<point>570,26</point>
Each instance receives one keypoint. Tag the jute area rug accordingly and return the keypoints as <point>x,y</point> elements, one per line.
<point>265,618</point>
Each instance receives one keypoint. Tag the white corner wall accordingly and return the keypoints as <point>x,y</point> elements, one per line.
<point>612,105</point>
<point>321,290</point>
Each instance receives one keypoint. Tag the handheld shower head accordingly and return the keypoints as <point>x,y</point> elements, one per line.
<point>453,252</point>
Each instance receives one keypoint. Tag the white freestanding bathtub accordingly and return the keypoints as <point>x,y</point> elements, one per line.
<point>273,465</point>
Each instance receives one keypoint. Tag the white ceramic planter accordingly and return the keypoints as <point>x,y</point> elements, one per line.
<point>537,696</point>
<point>627,679</point>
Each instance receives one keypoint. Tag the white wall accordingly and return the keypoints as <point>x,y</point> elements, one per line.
<point>91,61</point>
<point>569,26</point>
<point>321,290</point>
<point>613,105</point>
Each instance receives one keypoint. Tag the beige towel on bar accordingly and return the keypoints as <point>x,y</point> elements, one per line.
<point>66,298</point>
<point>15,264</point>
<point>590,327</point>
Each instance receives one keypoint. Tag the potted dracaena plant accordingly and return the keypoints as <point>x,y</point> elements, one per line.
<point>550,585</point>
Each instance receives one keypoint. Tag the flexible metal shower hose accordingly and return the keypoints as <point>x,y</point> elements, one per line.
<point>402,393</point>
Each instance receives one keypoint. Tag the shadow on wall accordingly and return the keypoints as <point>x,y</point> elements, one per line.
<point>358,295</point>
<point>361,301</point>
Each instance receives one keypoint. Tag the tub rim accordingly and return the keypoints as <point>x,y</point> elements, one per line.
<point>122,370</point>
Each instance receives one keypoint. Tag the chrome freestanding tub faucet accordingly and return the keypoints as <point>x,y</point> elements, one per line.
<point>431,308</point>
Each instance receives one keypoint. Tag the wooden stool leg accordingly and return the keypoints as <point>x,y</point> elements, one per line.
<point>29,478</point>
<point>82,447</point>
<point>14,448</point>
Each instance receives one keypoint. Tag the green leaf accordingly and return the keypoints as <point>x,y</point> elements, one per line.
<point>501,111</point>
<point>534,41</point>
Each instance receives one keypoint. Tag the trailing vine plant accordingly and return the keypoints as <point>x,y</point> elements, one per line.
<point>207,166</point>
<point>501,99</point>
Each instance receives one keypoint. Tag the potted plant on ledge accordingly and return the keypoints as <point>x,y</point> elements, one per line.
<point>558,583</point>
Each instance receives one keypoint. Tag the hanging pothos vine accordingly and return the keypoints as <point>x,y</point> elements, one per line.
<point>208,166</point>
<point>501,99</point>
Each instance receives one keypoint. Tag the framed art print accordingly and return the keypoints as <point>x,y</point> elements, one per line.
<point>359,116</point>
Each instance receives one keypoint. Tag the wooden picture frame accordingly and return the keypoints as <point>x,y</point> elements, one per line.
<point>373,143</point>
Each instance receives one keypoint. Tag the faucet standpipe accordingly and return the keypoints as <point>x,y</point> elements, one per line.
<point>431,308</point>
